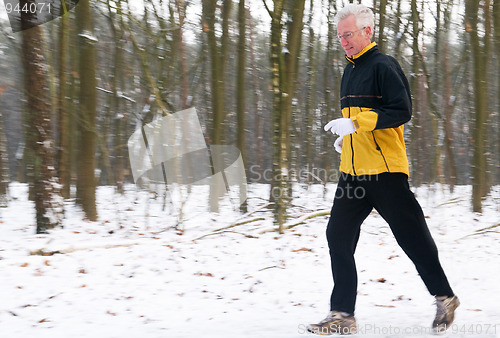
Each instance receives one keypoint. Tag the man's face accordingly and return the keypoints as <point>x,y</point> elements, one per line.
<point>357,40</point>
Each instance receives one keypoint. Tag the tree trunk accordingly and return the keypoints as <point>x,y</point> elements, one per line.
<point>240,92</point>
<point>63,150</point>
<point>415,132</point>
<point>480,51</point>
<point>47,197</point>
<point>4,160</point>
<point>277,65</point>
<point>331,82</point>
<point>86,181</point>
<point>218,54</point>
<point>496,25</point>
<point>382,10</point>
<point>181,11</point>
<point>118,85</point>
<point>310,104</point>
<point>284,65</point>
<point>448,102</point>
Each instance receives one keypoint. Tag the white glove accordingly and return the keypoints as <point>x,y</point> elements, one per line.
<point>341,127</point>
<point>338,144</point>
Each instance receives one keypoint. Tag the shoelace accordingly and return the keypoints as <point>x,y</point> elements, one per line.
<point>331,317</point>
<point>442,306</point>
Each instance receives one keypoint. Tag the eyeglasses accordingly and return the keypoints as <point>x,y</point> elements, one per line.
<point>349,35</point>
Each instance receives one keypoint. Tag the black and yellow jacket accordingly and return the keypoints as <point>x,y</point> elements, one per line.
<point>375,95</point>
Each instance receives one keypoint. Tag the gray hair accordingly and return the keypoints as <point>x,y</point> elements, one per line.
<point>364,16</point>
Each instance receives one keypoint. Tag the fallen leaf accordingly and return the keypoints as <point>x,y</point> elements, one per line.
<point>381,280</point>
<point>400,298</point>
<point>302,249</point>
<point>24,265</point>
<point>208,274</point>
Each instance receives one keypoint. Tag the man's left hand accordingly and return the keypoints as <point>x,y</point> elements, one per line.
<point>341,127</point>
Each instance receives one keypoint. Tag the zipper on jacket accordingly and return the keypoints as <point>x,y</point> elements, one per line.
<point>352,146</point>
<point>352,157</point>
<point>380,150</point>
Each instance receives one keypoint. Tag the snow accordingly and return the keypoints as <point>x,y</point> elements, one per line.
<point>132,274</point>
<point>89,36</point>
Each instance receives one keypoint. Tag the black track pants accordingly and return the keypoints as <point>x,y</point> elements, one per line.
<point>390,195</point>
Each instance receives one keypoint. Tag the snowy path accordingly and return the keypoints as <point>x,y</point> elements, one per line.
<point>126,276</point>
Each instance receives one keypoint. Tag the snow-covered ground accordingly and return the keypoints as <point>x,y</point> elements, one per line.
<point>132,274</point>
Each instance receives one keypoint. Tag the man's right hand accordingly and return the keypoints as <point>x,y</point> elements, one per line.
<point>341,127</point>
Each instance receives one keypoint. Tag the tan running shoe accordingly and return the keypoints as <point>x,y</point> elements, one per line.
<point>445,314</point>
<point>336,322</point>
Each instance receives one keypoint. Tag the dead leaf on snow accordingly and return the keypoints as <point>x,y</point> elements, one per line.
<point>302,249</point>
<point>207,274</point>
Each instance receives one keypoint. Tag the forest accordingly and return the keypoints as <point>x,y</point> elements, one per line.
<point>264,77</point>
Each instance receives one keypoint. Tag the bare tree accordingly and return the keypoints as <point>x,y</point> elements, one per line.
<point>86,181</point>
<point>284,66</point>
<point>481,49</point>
<point>217,48</point>
<point>4,159</point>
<point>40,141</point>
<point>241,89</point>
<point>496,23</point>
<point>63,149</point>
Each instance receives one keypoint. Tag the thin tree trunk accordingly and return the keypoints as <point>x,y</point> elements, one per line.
<point>257,104</point>
<point>451,168</point>
<point>415,134</point>
<point>240,93</point>
<point>308,154</point>
<point>331,83</point>
<point>118,85</point>
<point>63,150</point>
<point>382,10</point>
<point>181,12</point>
<point>4,160</point>
<point>277,65</point>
